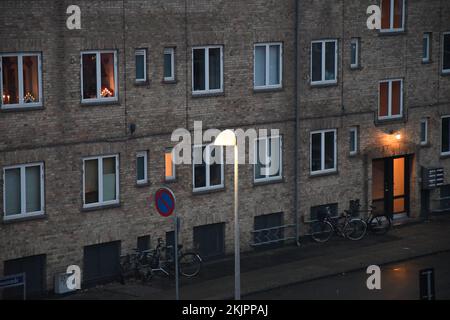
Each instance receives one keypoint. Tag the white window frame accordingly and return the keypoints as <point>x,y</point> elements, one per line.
<point>423,121</point>
<point>444,153</point>
<point>444,71</point>
<point>323,42</point>
<point>21,103</point>
<point>99,85</point>
<point>391,24</point>
<point>390,116</point>
<point>267,76</point>
<point>356,42</point>
<point>268,178</point>
<point>208,186</point>
<point>354,131</point>
<point>142,52</point>
<point>207,90</point>
<point>174,175</point>
<point>142,154</point>
<point>100,202</point>
<point>171,52</point>
<point>427,36</point>
<point>322,146</point>
<point>23,213</point>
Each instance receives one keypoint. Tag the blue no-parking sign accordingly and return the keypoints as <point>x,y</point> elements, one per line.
<point>164,202</point>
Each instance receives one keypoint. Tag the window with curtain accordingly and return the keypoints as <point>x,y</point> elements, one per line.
<point>23,190</point>
<point>268,65</point>
<point>392,15</point>
<point>390,99</point>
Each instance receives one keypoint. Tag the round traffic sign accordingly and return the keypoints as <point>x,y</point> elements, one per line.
<point>164,202</point>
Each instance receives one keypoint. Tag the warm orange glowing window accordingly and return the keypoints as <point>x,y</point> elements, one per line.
<point>384,99</point>
<point>390,99</point>
<point>169,164</point>
<point>392,14</point>
<point>99,75</point>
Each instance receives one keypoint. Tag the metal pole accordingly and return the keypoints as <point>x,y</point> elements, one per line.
<point>177,294</point>
<point>237,262</point>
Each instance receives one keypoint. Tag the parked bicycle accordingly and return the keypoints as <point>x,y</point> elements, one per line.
<point>144,264</point>
<point>378,223</point>
<point>345,226</point>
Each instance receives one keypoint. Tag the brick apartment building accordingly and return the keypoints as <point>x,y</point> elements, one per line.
<point>87,115</point>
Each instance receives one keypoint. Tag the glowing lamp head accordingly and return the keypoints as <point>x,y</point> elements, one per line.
<point>226,138</point>
<point>398,137</point>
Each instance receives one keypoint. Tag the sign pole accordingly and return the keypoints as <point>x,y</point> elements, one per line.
<point>177,294</point>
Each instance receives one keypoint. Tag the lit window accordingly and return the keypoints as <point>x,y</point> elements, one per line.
<point>99,76</point>
<point>423,131</point>
<point>392,15</point>
<point>353,141</point>
<point>23,190</point>
<point>390,99</point>
<point>207,70</point>
<point>268,164</point>
<point>426,47</point>
<point>141,65</point>
<point>354,47</point>
<point>268,66</point>
<point>324,62</point>
<point>445,135</point>
<point>169,64</point>
<point>169,165</point>
<point>323,151</point>
<point>100,181</point>
<point>208,170</point>
<point>141,167</point>
<point>21,80</point>
<point>446,53</point>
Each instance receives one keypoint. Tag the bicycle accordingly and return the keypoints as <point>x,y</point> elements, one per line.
<point>379,223</point>
<point>345,226</point>
<point>143,264</point>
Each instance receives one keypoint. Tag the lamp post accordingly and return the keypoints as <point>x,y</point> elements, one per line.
<point>228,138</point>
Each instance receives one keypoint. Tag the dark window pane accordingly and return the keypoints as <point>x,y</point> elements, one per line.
<point>199,69</point>
<point>316,152</point>
<point>446,135</point>
<point>30,79</point>
<point>447,52</point>
<point>274,67</point>
<point>425,47</point>
<point>261,154</point>
<point>423,132</point>
<point>316,61</point>
<point>215,169</point>
<point>10,80</point>
<point>89,76</point>
<point>140,73</point>
<point>260,66</point>
<point>398,14</point>
<point>330,61</point>
<point>107,70</point>
<point>274,157</point>
<point>12,192</point>
<point>167,65</point>
<point>214,69</point>
<point>91,181</point>
<point>199,175</point>
<point>352,141</point>
<point>329,150</point>
<point>140,165</point>
<point>353,58</point>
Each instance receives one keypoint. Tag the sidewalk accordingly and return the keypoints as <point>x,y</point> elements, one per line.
<point>264,270</point>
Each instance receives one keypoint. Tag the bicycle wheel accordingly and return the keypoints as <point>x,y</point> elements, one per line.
<point>190,264</point>
<point>125,268</point>
<point>356,229</point>
<point>379,224</point>
<point>321,231</point>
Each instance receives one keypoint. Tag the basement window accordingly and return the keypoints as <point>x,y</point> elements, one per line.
<point>98,76</point>
<point>21,80</point>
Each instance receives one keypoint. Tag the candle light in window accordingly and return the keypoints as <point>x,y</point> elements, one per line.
<point>29,98</point>
<point>6,98</point>
<point>106,93</point>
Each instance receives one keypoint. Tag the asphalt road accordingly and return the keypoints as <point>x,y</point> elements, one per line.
<point>398,281</point>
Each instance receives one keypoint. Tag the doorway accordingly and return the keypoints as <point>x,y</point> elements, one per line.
<point>391,185</point>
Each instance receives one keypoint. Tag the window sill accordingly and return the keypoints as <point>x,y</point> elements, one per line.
<point>100,103</point>
<point>390,120</point>
<point>323,84</point>
<point>142,184</point>
<point>427,62</point>
<point>445,73</point>
<point>208,94</point>
<point>174,81</point>
<point>389,32</point>
<point>445,156</point>
<point>24,219</point>
<point>141,83</point>
<point>323,174</point>
<point>208,191</point>
<point>262,90</point>
<point>268,182</point>
<point>101,207</point>
<point>357,68</point>
<point>21,109</point>
<point>353,154</point>
<point>425,145</point>
<point>170,180</point>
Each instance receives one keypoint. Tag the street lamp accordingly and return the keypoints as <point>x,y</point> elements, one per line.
<point>228,138</point>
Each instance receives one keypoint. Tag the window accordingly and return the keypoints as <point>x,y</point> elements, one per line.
<point>324,62</point>
<point>268,66</point>
<point>445,136</point>
<point>207,70</point>
<point>207,169</point>
<point>98,76</point>
<point>141,167</point>
<point>426,47</point>
<point>141,65</point>
<point>23,191</point>
<point>424,131</point>
<point>354,47</point>
<point>21,80</point>
<point>100,181</point>
<point>169,64</point>
<point>446,53</point>
<point>323,151</point>
<point>316,211</point>
<point>268,164</point>
<point>169,165</point>
<point>392,15</point>
<point>353,141</point>
<point>390,99</point>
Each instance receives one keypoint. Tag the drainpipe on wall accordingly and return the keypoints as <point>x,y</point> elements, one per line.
<point>296,144</point>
